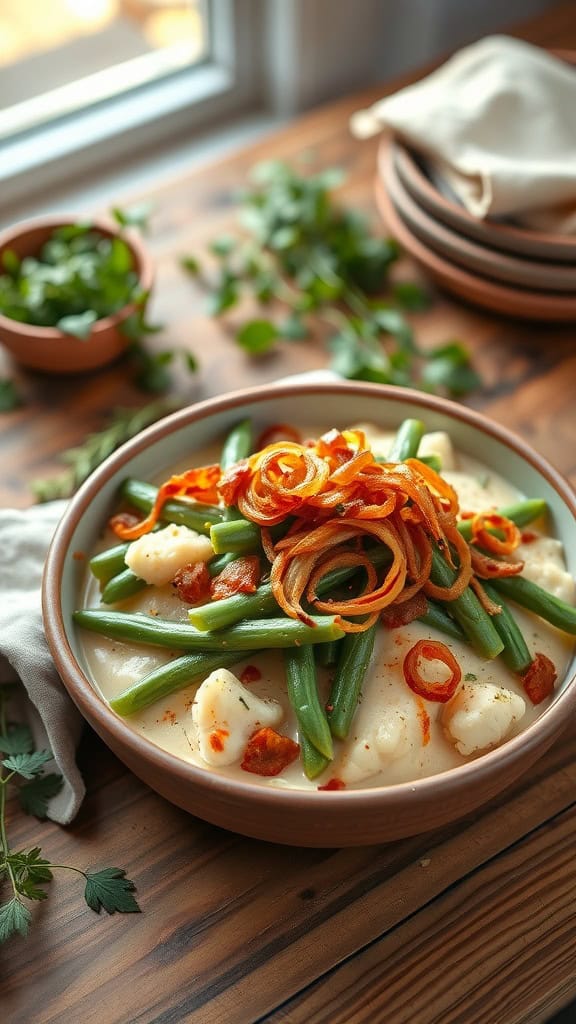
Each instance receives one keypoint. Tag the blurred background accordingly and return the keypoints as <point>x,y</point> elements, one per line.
<point>93,88</point>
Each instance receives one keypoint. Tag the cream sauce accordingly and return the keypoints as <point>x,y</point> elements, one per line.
<point>386,742</point>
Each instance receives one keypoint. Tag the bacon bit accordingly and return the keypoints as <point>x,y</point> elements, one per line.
<point>234,480</point>
<point>250,674</point>
<point>482,525</point>
<point>539,679</point>
<point>435,690</point>
<point>269,753</point>
<point>123,520</point>
<point>239,577</point>
<point>217,740</point>
<point>278,432</point>
<point>192,583</point>
<point>396,615</point>
<point>169,716</point>
<point>528,536</point>
<point>332,784</point>
<point>424,720</point>
<point>199,483</point>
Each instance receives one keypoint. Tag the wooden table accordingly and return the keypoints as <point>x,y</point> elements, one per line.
<point>475,923</point>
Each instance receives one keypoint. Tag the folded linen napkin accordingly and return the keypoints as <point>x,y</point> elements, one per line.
<point>498,122</point>
<point>43,703</point>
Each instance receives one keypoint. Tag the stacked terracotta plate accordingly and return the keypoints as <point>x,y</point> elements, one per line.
<point>496,265</point>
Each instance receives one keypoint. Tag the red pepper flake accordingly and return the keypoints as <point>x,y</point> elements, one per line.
<point>268,753</point>
<point>192,583</point>
<point>250,674</point>
<point>239,577</point>
<point>528,536</point>
<point>539,679</point>
<point>78,556</point>
<point>169,716</point>
<point>424,721</point>
<point>436,690</point>
<point>332,784</point>
<point>217,740</point>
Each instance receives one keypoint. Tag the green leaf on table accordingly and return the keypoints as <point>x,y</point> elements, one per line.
<point>191,265</point>
<point>391,321</point>
<point>411,296</point>
<point>15,918</point>
<point>35,795</point>
<point>293,328</point>
<point>152,373</point>
<point>79,325</point>
<point>9,397</point>
<point>257,336</point>
<point>449,368</point>
<point>224,297</point>
<point>27,765</point>
<point>30,871</point>
<point>111,890</point>
<point>190,360</point>
<point>16,740</point>
<point>136,216</point>
<point>222,246</point>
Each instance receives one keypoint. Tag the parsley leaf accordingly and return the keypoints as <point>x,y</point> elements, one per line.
<point>9,397</point>
<point>27,765</point>
<point>30,871</point>
<point>111,890</point>
<point>14,917</point>
<point>35,795</point>
<point>16,740</point>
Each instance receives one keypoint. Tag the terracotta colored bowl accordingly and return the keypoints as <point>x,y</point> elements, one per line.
<point>481,259</point>
<point>305,818</point>
<point>496,234</point>
<point>48,349</point>
<point>480,290</point>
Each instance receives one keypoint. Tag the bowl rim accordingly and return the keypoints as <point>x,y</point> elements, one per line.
<point>94,708</point>
<point>143,259</point>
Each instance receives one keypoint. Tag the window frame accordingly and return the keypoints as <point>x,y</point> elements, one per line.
<point>222,85</point>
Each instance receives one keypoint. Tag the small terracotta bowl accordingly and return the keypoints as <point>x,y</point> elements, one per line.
<point>48,349</point>
<point>300,818</point>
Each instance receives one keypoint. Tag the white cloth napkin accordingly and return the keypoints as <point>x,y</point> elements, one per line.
<point>43,703</point>
<point>498,122</point>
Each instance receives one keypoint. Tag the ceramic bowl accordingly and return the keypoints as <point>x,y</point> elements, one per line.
<point>48,349</point>
<point>475,288</point>
<point>480,259</point>
<point>310,818</point>
<point>499,235</point>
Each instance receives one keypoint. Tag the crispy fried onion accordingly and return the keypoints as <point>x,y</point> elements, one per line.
<point>199,484</point>
<point>495,533</point>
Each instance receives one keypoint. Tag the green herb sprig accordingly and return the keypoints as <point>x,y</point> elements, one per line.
<point>25,873</point>
<point>321,262</point>
<point>83,460</point>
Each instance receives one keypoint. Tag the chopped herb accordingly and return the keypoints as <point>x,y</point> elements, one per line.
<point>470,677</point>
<point>9,397</point>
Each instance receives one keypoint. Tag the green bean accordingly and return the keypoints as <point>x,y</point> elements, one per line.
<point>529,595</point>
<point>515,654</point>
<point>467,610</point>
<point>313,761</point>
<point>406,442</point>
<point>195,515</point>
<point>109,563</point>
<point>218,614</point>
<point>124,584</point>
<point>167,679</point>
<point>238,444</point>
<point>237,535</point>
<point>438,617</point>
<point>351,669</point>
<point>244,636</point>
<point>328,654</point>
<point>521,513</point>
<point>302,689</point>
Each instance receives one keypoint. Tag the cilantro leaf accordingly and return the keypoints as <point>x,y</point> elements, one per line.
<point>449,368</point>
<point>14,917</point>
<point>411,296</point>
<point>79,325</point>
<point>35,795</point>
<point>136,216</point>
<point>27,765</point>
<point>190,264</point>
<point>17,740</point>
<point>111,890</point>
<point>257,336</point>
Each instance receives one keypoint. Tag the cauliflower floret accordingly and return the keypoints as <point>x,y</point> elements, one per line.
<point>388,740</point>
<point>156,557</point>
<point>544,564</point>
<point>439,443</point>
<point>225,714</point>
<point>480,716</point>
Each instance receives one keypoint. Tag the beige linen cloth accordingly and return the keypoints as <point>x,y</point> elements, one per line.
<point>497,121</point>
